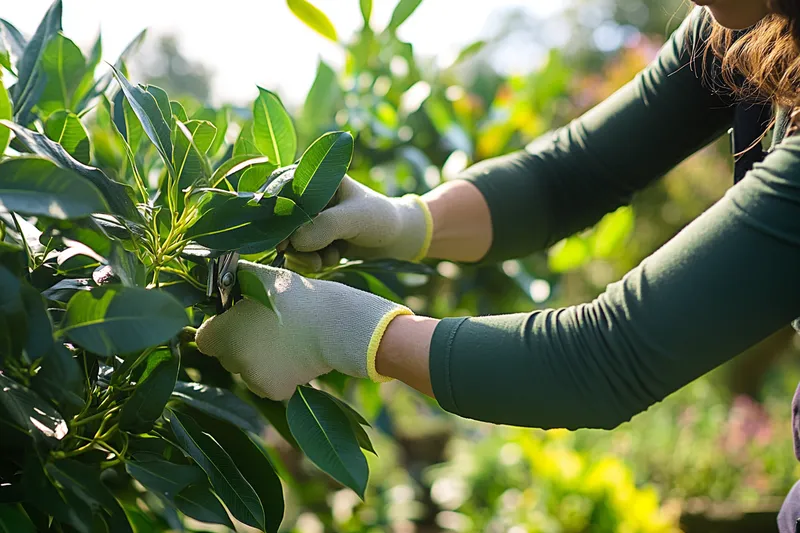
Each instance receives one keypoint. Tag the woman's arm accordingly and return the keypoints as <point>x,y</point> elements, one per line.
<point>728,280</point>
<point>567,180</point>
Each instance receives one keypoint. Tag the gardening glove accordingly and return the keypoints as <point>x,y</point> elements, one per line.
<point>317,326</point>
<point>370,225</point>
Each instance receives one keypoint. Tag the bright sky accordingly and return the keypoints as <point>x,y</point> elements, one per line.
<point>249,42</point>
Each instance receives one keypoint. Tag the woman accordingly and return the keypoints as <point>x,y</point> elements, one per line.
<point>728,280</point>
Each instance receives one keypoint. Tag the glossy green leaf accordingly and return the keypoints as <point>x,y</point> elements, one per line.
<point>162,100</point>
<point>403,10</point>
<point>219,403</point>
<point>199,502</point>
<point>40,330</point>
<point>229,221</point>
<point>178,111</point>
<point>62,505</point>
<point>14,520</point>
<point>31,413</point>
<point>149,113</point>
<point>255,177</point>
<point>246,143</point>
<point>64,66</point>
<point>60,380</point>
<point>13,42</point>
<point>313,18</point>
<point>126,266</point>
<point>253,289</point>
<point>325,435</point>
<point>470,51</point>
<point>66,129</point>
<point>13,322</point>
<point>116,194</point>
<point>34,186</point>
<point>5,114</point>
<point>252,461</point>
<point>324,99</point>
<point>273,130</point>
<point>114,319</point>
<point>162,476</point>
<point>321,170</point>
<point>87,81</point>
<point>275,413</point>
<point>612,231</point>
<point>84,481</point>
<point>31,79</point>
<point>219,118</point>
<point>152,392</point>
<point>366,10</point>
<point>192,141</point>
<point>568,254</point>
<point>228,482</point>
<point>235,164</point>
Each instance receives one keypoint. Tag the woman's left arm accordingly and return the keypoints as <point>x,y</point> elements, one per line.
<point>728,280</point>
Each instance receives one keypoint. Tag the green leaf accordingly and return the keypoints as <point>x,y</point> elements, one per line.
<point>13,42</point>
<point>192,141</point>
<point>40,331</point>
<point>34,186</point>
<point>5,114</point>
<point>313,18</point>
<point>321,170</point>
<point>252,461</point>
<point>469,51</point>
<point>162,476</point>
<point>403,10</point>
<point>199,502</point>
<point>84,482</point>
<point>253,289</point>
<point>235,164</point>
<point>229,220</point>
<point>366,10</point>
<point>254,177</point>
<point>60,380</point>
<point>273,130</point>
<point>66,129</point>
<point>275,412</point>
<point>178,111</point>
<point>162,99</point>
<point>64,66</point>
<point>612,231</point>
<point>219,118</point>
<point>87,81</point>
<point>31,413</point>
<point>323,100</point>
<point>13,323</point>
<point>246,144</point>
<point>100,86</point>
<point>126,266</point>
<point>114,319</point>
<point>147,110</point>
<point>152,392</point>
<point>219,403</point>
<point>31,79</point>
<point>325,435</point>
<point>116,194</point>
<point>568,254</point>
<point>228,482</point>
<point>63,506</point>
<point>14,520</point>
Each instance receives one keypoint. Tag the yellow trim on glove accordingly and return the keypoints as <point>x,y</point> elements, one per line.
<point>375,342</point>
<point>426,244</point>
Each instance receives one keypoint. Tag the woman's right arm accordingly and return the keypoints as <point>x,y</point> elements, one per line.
<point>566,181</point>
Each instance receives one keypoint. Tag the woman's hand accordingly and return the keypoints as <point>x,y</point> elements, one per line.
<point>368,224</point>
<point>317,326</point>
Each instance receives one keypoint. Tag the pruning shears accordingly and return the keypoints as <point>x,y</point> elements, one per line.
<point>222,278</point>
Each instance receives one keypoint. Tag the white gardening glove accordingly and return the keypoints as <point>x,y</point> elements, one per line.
<point>370,224</point>
<point>319,326</point>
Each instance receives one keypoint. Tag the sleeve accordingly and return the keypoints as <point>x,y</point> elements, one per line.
<point>566,181</point>
<point>727,281</point>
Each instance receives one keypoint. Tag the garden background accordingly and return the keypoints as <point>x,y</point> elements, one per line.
<point>427,89</point>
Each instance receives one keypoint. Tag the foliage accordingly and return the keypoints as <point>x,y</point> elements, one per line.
<point>113,198</point>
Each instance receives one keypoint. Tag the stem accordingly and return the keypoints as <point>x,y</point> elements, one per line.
<point>83,421</point>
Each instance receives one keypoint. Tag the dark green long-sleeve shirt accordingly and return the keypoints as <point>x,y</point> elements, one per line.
<point>728,280</point>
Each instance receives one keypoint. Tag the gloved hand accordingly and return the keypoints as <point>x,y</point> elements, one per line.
<point>319,326</point>
<point>371,226</point>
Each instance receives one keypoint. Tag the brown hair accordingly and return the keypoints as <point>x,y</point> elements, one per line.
<point>762,62</point>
